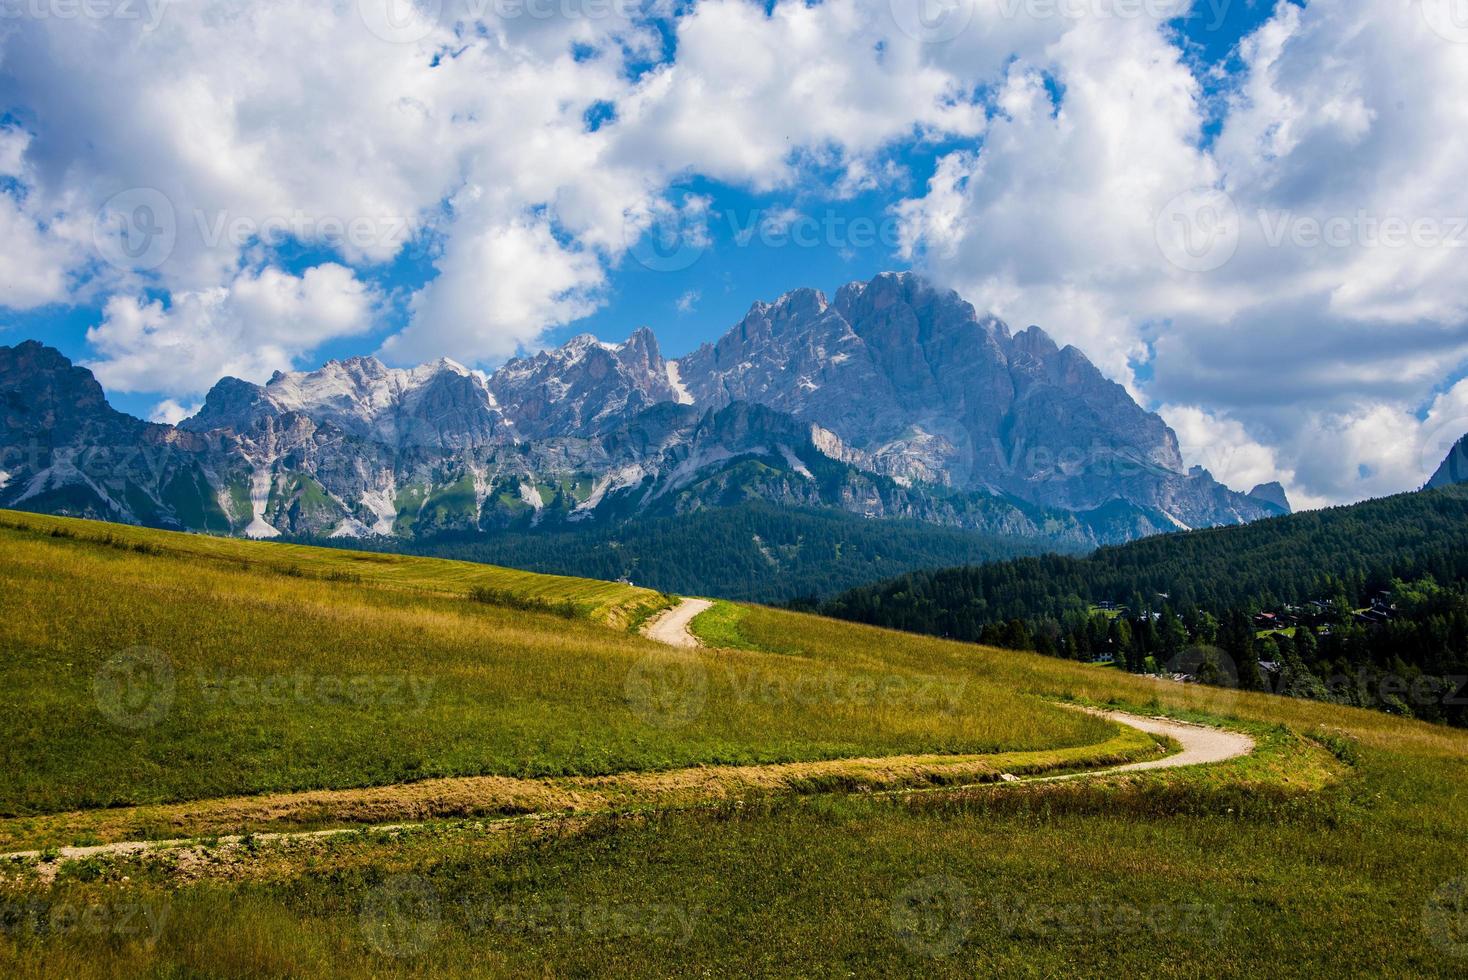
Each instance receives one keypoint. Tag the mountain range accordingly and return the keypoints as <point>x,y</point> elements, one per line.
<point>895,400</point>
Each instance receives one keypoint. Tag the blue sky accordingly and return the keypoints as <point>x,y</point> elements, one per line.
<point>685,306</point>
<point>1036,155</point>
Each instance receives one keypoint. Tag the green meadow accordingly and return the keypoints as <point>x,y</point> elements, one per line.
<point>202,668</point>
<point>1336,848</point>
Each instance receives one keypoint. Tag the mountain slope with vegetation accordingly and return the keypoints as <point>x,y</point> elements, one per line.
<point>1361,603</point>
<point>752,552</point>
<point>151,667</point>
<point>1285,559</point>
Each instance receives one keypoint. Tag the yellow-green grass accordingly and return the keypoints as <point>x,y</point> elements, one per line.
<point>796,634</point>
<point>606,602</point>
<point>1222,870</point>
<point>497,797</point>
<point>1196,873</point>
<point>247,680</point>
<point>1292,861</point>
<point>718,626</point>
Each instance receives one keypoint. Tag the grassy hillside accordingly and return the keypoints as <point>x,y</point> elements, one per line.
<point>1335,848</point>
<point>606,602</point>
<point>145,667</point>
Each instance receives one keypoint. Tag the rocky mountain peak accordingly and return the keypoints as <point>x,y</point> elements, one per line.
<point>910,375</point>
<point>584,387</point>
<point>452,367</point>
<point>1037,343</point>
<point>44,395</point>
<point>1272,494</point>
<point>45,372</point>
<point>231,403</point>
<point>641,354</point>
<point>442,404</point>
<point>1454,468</point>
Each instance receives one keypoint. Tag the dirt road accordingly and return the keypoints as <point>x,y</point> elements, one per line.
<point>672,627</point>
<point>542,800</point>
<point>1201,745</point>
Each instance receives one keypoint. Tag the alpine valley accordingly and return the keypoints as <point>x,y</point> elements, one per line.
<point>893,410</point>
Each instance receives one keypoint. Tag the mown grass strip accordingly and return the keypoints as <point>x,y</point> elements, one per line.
<point>492,796</point>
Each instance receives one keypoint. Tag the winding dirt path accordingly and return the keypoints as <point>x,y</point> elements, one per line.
<point>541,800</point>
<point>672,625</point>
<point>549,799</point>
<point>1201,745</point>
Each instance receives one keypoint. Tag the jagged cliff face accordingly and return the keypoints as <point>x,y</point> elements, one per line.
<point>442,405</point>
<point>932,392</point>
<point>63,449</point>
<point>894,401</point>
<point>1454,468</point>
<point>585,388</point>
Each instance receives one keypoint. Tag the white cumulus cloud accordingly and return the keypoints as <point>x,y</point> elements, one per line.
<point>256,325</point>
<point>1300,280</point>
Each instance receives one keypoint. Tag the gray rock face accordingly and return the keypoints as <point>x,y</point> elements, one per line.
<point>931,392</point>
<point>1454,468</point>
<point>894,401</point>
<point>64,449</point>
<point>442,405</point>
<point>1272,494</point>
<point>585,388</point>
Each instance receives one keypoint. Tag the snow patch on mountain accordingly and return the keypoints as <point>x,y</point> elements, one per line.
<point>380,504</point>
<point>530,493</point>
<point>1176,523</point>
<point>684,397</point>
<point>351,528</point>
<point>63,472</point>
<point>793,461</point>
<point>700,460</point>
<point>623,478</point>
<point>259,528</point>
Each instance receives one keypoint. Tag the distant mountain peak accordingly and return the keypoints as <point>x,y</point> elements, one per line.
<point>585,386</point>
<point>1454,468</point>
<point>1037,342</point>
<point>449,364</point>
<point>1274,495</point>
<point>912,376</point>
<point>438,404</point>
